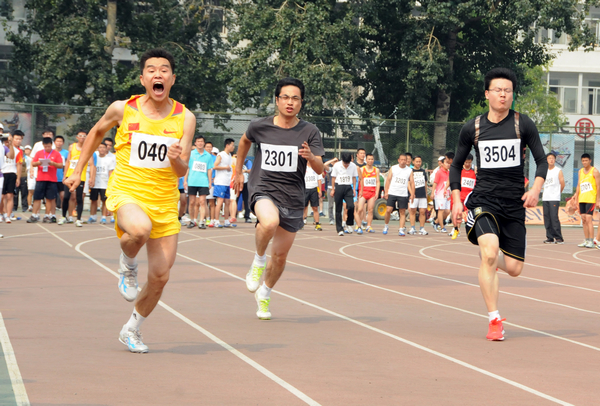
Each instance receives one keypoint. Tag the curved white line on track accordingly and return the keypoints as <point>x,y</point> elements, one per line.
<point>576,256</point>
<point>13,368</point>
<point>300,395</point>
<point>421,251</point>
<point>419,298</point>
<point>397,338</point>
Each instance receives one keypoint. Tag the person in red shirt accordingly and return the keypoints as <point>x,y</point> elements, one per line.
<point>49,161</point>
<point>467,184</point>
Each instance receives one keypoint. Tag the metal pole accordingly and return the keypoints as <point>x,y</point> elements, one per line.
<point>408,136</point>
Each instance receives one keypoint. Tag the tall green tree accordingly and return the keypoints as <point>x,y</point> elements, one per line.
<point>61,54</point>
<point>443,47</point>
<point>314,41</point>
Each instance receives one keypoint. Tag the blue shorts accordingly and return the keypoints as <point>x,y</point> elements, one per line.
<point>221,192</point>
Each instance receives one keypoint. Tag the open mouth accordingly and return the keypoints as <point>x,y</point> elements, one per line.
<point>158,88</point>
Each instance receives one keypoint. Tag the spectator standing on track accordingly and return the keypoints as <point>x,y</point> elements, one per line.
<point>420,200</point>
<point>59,142</point>
<point>441,196</point>
<point>286,144</point>
<point>551,196</point>
<point>312,182</point>
<point>153,144</point>
<point>588,198</point>
<point>223,171</point>
<point>12,175</point>
<point>30,179</point>
<point>105,165</point>
<point>399,192</point>
<point>6,152</point>
<point>327,168</point>
<point>47,161</point>
<point>211,201</point>
<point>198,181</point>
<point>360,162</point>
<point>244,194</point>
<point>369,188</point>
<point>467,184</point>
<point>496,217</point>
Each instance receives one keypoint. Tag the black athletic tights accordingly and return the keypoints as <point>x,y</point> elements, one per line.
<point>67,197</point>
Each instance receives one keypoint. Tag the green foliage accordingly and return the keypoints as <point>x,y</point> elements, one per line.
<point>309,40</point>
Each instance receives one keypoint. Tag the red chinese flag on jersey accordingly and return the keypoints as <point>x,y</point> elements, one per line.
<point>134,126</point>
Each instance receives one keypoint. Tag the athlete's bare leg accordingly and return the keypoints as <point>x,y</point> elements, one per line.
<point>413,216</point>
<point>388,214</point>
<point>211,208</point>
<point>588,226</point>
<point>194,207</point>
<point>182,204</point>
<point>422,217</point>
<point>268,223</point>
<point>201,204</point>
<point>371,207</point>
<point>282,242</point>
<point>489,247</point>
<point>402,213</point>
<point>315,214</point>
<point>136,225</point>
<point>94,207</point>
<point>361,210</point>
<point>217,215</point>
<point>161,257</point>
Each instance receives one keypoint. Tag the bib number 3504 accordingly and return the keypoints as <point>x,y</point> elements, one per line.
<point>150,151</point>
<point>500,153</point>
<point>279,158</point>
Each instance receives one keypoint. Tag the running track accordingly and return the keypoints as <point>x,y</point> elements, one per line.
<point>371,319</point>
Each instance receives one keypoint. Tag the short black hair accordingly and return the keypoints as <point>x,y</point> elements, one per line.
<point>449,155</point>
<point>59,136</point>
<point>228,141</point>
<point>404,155</point>
<point>368,155</point>
<point>500,73</point>
<point>408,154</point>
<point>46,141</point>
<point>18,133</point>
<point>469,157</point>
<point>81,131</point>
<point>346,157</point>
<point>157,53</point>
<point>108,139</point>
<point>199,137</point>
<point>586,155</point>
<point>289,82</point>
<point>360,149</point>
<point>49,130</point>
<point>418,156</point>
<point>551,153</point>
<point>208,142</point>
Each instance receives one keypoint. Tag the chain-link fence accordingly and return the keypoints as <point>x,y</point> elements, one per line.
<point>386,139</point>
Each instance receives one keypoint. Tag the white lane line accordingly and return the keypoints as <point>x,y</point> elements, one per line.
<point>13,369</point>
<point>402,340</point>
<point>424,300</point>
<point>422,252</point>
<point>300,395</point>
<point>576,256</point>
<point>54,234</point>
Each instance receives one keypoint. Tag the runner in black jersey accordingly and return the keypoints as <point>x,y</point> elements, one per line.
<point>496,217</point>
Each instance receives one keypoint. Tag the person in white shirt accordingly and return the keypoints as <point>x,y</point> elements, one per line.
<point>400,190</point>
<point>223,172</point>
<point>312,184</point>
<point>551,196</point>
<point>104,167</point>
<point>343,177</point>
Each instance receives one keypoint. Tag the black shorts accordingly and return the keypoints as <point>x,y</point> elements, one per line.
<point>182,191</point>
<point>511,233</point>
<point>60,187</point>
<point>401,200</point>
<point>584,208</point>
<point>290,220</point>
<point>45,189</point>
<point>10,183</point>
<point>95,192</point>
<point>198,191</point>
<point>312,196</point>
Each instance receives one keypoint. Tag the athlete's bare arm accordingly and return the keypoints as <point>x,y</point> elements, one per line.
<point>179,152</point>
<point>238,178</point>
<point>561,180</point>
<point>597,177</point>
<point>11,151</point>
<point>112,117</point>
<point>377,173</point>
<point>388,179</point>
<point>92,167</point>
<point>411,187</point>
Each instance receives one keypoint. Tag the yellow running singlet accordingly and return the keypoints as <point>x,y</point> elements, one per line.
<point>587,186</point>
<point>143,174</point>
<point>75,154</point>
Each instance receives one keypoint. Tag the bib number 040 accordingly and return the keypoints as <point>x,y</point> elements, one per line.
<point>150,151</point>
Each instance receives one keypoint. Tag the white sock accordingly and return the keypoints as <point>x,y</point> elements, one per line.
<point>135,321</point>
<point>494,315</point>
<point>260,261</point>
<point>129,261</point>
<point>343,224</point>
<point>264,291</point>
<point>226,222</point>
<point>94,216</point>
<point>103,217</point>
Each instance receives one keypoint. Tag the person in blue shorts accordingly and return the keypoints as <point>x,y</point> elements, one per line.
<point>197,181</point>
<point>223,173</point>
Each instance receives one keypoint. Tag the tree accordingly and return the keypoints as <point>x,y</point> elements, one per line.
<point>443,47</point>
<point>61,54</point>
<point>313,41</point>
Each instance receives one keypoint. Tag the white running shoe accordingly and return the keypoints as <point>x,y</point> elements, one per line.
<point>385,229</point>
<point>331,222</point>
<point>412,231</point>
<point>78,223</point>
<point>62,221</point>
<point>422,231</point>
<point>596,242</point>
<point>341,233</point>
<point>253,277</point>
<point>132,338</point>
<point>128,284</point>
<point>13,217</point>
<point>263,312</point>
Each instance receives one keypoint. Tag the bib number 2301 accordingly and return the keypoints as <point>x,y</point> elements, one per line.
<point>279,158</point>
<point>150,151</point>
<point>500,153</point>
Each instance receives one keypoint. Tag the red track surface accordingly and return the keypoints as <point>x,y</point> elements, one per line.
<point>371,319</point>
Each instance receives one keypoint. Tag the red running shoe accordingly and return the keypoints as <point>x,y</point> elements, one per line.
<point>496,330</point>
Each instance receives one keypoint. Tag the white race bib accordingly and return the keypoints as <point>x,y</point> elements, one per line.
<point>400,180</point>
<point>419,180</point>
<point>549,181</point>
<point>73,163</point>
<point>310,179</point>
<point>370,182</point>
<point>468,183</point>
<point>279,158</point>
<point>150,151</point>
<point>199,166</point>
<point>101,170</point>
<point>343,180</point>
<point>499,153</point>
<point>585,187</point>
